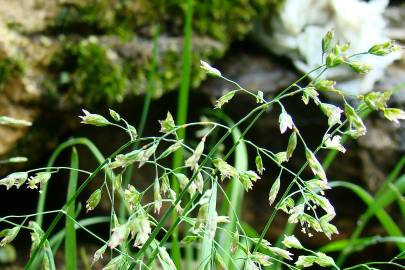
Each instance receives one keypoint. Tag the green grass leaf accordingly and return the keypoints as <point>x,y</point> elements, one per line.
<point>181,117</point>
<point>70,239</point>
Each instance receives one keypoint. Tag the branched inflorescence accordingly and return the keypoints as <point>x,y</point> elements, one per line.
<point>207,168</point>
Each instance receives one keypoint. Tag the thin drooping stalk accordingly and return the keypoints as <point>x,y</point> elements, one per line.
<point>330,157</point>
<point>286,192</point>
<point>70,239</point>
<point>69,143</point>
<point>55,240</point>
<point>69,202</point>
<point>182,108</point>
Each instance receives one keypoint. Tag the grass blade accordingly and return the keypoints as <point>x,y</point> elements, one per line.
<point>330,157</point>
<point>378,205</point>
<point>182,108</point>
<point>375,207</point>
<point>70,239</point>
<point>360,243</point>
<point>234,190</point>
<point>85,259</point>
<point>65,145</point>
<point>69,143</point>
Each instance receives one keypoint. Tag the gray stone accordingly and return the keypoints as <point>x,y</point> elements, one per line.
<point>253,72</point>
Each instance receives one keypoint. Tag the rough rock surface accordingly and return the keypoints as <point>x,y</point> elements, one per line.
<point>297,35</point>
<point>33,38</point>
<point>253,72</point>
<point>28,16</point>
<point>20,86</point>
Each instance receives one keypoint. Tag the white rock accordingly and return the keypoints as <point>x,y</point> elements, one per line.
<point>302,23</point>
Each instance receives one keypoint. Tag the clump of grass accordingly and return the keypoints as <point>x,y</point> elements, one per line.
<point>215,238</point>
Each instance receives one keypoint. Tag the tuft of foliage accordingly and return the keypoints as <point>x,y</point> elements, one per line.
<point>9,68</point>
<point>218,19</point>
<point>87,17</point>
<point>89,73</point>
<point>101,79</point>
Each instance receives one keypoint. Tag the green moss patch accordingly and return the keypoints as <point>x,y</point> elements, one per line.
<point>9,68</point>
<point>87,72</point>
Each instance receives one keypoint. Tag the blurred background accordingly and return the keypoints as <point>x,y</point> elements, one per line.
<point>60,56</point>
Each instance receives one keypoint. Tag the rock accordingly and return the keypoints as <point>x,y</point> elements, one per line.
<point>395,75</point>
<point>376,151</point>
<point>297,35</point>
<point>28,16</point>
<point>394,78</point>
<point>112,42</point>
<point>139,51</point>
<point>21,63</point>
<point>253,72</point>
<point>395,16</point>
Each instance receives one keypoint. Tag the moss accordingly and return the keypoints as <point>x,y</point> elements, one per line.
<point>229,20</point>
<point>9,68</point>
<point>91,17</point>
<point>86,72</point>
<point>222,20</point>
<point>167,76</point>
<point>168,70</point>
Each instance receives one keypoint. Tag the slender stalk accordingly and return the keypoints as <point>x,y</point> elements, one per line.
<point>71,142</point>
<point>69,202</point>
